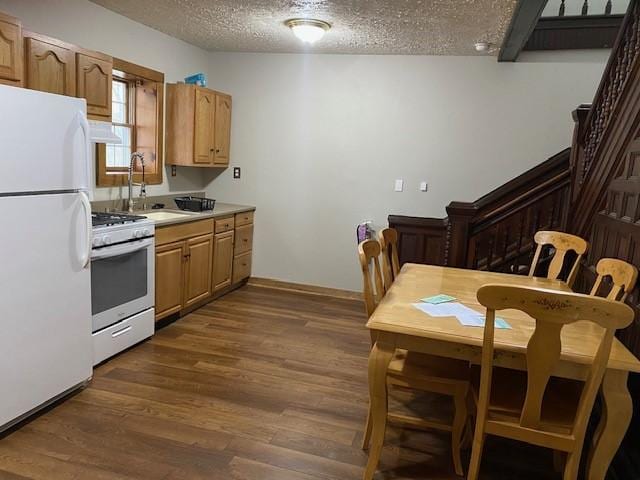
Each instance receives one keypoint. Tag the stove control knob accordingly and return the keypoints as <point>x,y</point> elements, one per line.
<point>137,234</point>
<point>146,232</point>
<point>106,240</point>
<point>97,242</point>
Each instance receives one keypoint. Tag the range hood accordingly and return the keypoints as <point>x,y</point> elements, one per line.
<point>101,132</point>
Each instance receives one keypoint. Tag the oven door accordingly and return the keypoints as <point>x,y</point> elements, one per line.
<point>122,281</point>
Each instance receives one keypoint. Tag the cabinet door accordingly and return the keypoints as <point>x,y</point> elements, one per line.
<point>222,260</point>
<point>241,267</point>
<point>170,262</point>
<point>50,68</point>
<point>198,275</point>
<point>244,239</point>
<point>94,84</point>
<point>10,50</point>
<point>222,129</point>
<point>204,118</point>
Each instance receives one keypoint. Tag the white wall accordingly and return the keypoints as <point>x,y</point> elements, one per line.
<point>90,26</point>
<point>320,140</point>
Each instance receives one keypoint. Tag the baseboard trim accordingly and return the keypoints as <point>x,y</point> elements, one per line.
<point>304,288</point>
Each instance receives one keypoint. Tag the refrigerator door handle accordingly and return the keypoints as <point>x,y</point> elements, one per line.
<point>86,131</point>
<point>86,205</point>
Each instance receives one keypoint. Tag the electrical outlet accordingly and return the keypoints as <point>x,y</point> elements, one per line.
<point>173,170</point>
<point>399,185</point>
<point>236,172</point>
<point>423,186</point>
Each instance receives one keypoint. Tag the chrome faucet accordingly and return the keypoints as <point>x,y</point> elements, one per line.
<point>143,188</point>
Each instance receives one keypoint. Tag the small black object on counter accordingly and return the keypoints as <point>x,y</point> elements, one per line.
<point>195,204</point>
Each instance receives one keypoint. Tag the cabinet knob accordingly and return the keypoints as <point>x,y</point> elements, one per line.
<point>217,150</point>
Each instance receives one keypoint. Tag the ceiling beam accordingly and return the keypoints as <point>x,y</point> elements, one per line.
<point>524,20</point>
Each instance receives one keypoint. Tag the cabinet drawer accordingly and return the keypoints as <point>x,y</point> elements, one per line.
<point>124,334</point>
<point>182,231</point>
<point>244,218</point>
<point>224,224</point>
<point>244,239</point>
<point>241,267</point>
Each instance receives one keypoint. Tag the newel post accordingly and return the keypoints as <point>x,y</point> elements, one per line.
<point>461,216</point>
<point>576,160</point>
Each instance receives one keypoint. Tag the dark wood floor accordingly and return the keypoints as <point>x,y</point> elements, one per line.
<point>262,384</point>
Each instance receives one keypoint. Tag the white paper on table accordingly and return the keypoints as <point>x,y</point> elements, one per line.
<point>465,315</point>
<point>450,309</point>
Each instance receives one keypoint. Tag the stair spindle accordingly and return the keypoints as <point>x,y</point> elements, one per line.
<point>585,8</point>
<point>561,11</point>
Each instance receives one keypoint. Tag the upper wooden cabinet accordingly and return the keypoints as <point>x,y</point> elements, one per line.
<point>198,130</point>
<point>204,126</point>
<point>222,129</point>
<point>57,67</point>
<point>50,65</point>
<point>93,77</point>
<point>10,51</point>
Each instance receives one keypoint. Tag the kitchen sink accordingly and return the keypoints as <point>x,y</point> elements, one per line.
<point>162,215</point>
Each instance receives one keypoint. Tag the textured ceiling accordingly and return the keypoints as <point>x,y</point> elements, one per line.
<point>433,27</point>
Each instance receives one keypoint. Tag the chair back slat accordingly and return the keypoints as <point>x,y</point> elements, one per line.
<point>623,278</point>
<point>551,310</point>
<point>388,238</point>
<point>372,285</point>
<point>562,243</point>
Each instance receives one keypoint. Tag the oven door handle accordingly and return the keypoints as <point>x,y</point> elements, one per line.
<point>123,249</point>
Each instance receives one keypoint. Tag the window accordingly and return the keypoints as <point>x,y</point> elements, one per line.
<point>118,155</point>
<point>137,117</point>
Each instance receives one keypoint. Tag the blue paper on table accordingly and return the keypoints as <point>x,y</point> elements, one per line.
<point>436,299</point>
<point>465,315</point>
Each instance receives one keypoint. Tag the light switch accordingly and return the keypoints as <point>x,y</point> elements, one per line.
<point>399,185</point>
<point>423,186</point>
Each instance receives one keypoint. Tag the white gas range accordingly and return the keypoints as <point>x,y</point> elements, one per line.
<point>122,282</point>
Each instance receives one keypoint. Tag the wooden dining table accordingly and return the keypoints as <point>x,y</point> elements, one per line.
<point>398,324</point>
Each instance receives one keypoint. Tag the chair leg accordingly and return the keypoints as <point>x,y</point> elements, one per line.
<point>572,466</point>
<point>379,359</point>
<point>459,422</point>
<point>476,454</point>
<point>367,430</point>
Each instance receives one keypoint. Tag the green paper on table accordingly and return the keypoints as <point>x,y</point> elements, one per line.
<point>436,299</point>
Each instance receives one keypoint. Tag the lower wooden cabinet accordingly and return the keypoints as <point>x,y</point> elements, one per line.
<point>222,260</point>
<point>241,267</point>
<point>199,259</point>
<point>169,278</point>
<point>198,269</point>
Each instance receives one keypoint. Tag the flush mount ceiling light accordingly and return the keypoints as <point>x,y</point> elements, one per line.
<point>308,30</point>
<point>482,46</point>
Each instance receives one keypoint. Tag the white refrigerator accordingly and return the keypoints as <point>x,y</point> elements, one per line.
<point>45,247</point>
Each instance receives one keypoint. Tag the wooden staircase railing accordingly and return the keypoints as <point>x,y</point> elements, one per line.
<point>496,231</point>
<point>606,131</point>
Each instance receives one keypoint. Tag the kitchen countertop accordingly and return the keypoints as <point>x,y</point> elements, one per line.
<point>220,210</point>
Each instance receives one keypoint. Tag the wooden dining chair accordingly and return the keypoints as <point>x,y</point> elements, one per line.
<point>623,278</point>
<point>562,243</point>
<point>534,406</point>
<point>388,238</point>
<point>416,371</point>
